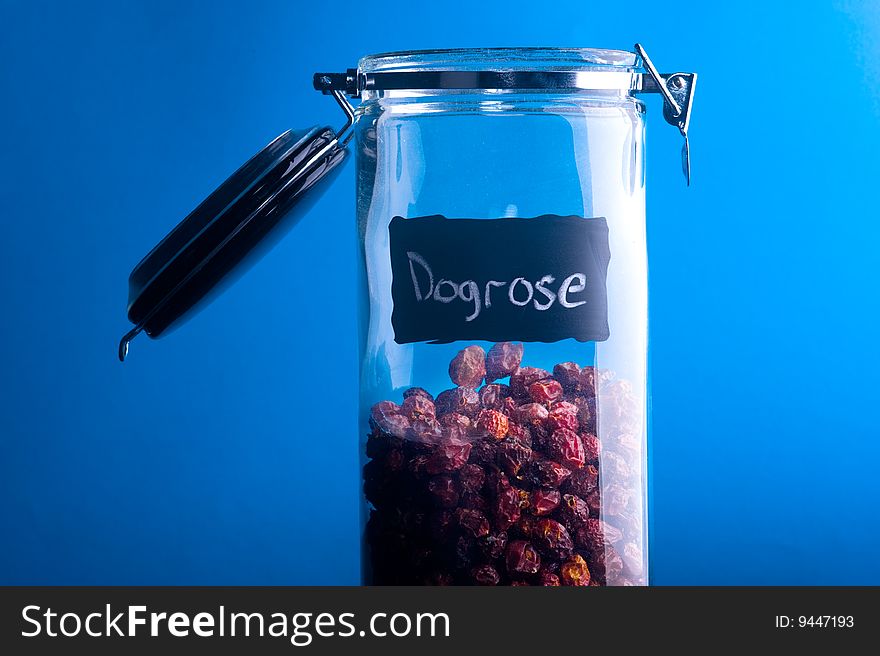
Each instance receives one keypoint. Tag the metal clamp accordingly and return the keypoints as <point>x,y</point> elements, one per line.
<point>677,89</point>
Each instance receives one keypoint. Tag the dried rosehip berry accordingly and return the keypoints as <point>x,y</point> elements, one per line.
<point>532,414</point>
<point>629,522</point>
<point>521,379</point>
<point>525,526</point>
<point>616,468</point>
<point>548,579</point>
<point>509,407</point>
<point>583,481</point>
<point>563,415</point>
<point>574,571</point>
<point>493,395</point>
<point>460,400</point>
<point>503,359</point>
<point>574,513</point>
<point>496,482</point>
<point>592,449</point>
<point>468,367</point>
<point>547,473</point>
<point>568,373</point>
<point>627,444</point>
<point>632,560</point>
<point>617,499</point>
<point>619,404</point>
<point>522,558</point>
<point>519,433</point>
<point>418,407</point>
<point>455,420</point>
<point>483,453</point>
<point>472,522</point>
<point>565,446</point>
<point>444,491</point>
<point>612,534</point>
<point>586,413</point>
<point>471,478</point>
<point>448,458</point>
<point>485,575</point>
<point>594,502</point>
<point>384,409</point>
<point>492,423</point>
<point>418,391</point>
<point>545,391</point>
<point>552,539</point>
<point>492,546</point>
<point>587,381</point>
<point>543,502</point>
<point>385,417</point>
<point>514,457</point>
<point>606,565</point>
<point>506,508</point>
<point>425,430</point>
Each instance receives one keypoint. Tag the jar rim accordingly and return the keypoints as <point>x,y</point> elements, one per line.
<point>501,59</point>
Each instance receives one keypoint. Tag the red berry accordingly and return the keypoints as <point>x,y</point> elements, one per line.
<point>522,558</point>
<point>574,571</point>
<point>563,415</point>
<point>448,458</point>
<point>568,373</point>
<point>565,446</point>
<point>521,379</point>
<point>549,474</point>
<point>473,522</point>
<point>418,407</point>
<point>503,359</point>
<point>485,575</point>
<point>468,368</point>
<point>543,502</point>
<point>493,396</point>
<point>545,391</point>
<point>552,539</point>
<point>531,414</point>
<point>492,423</point>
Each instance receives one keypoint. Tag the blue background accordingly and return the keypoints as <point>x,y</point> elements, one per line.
<point>224,453</point>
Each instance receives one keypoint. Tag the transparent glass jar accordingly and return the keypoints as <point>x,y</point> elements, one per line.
<point>503,332</point>
<point>494,455</point>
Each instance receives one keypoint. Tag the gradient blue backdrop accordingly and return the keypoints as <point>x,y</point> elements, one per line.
<point>224,453</point>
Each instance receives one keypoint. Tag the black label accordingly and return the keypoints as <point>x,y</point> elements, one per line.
<point>531,280</point>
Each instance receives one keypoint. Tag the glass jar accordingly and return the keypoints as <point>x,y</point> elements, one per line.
<point>511,448</point>
<point>503,313</point>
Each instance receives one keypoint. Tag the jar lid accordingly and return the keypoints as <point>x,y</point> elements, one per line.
<point>250,209</point>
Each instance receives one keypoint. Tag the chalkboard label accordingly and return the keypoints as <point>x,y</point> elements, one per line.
<point>536,279</point>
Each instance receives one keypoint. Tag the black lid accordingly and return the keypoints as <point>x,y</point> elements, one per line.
<point>221,235</point>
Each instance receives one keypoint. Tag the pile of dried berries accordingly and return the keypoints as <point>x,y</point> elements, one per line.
<point>498,484</point>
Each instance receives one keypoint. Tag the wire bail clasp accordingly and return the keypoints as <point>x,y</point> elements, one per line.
<point>677,90</point>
